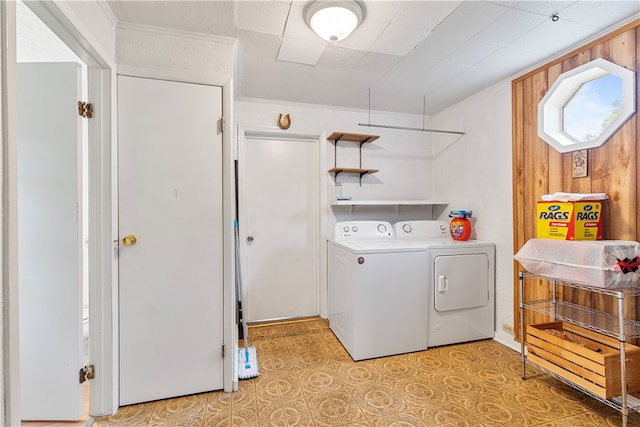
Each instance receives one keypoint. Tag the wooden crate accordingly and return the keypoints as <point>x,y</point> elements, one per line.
<point>588,359</point>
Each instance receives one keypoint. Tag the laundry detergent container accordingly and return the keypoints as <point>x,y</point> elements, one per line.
<point>601,263</point>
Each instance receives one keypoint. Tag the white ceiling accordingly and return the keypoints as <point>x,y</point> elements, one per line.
<point>407,53</point>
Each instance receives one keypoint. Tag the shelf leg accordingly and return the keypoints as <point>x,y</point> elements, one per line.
<point>623,364</point>
<point>555,299</point>
<point>521,305</point>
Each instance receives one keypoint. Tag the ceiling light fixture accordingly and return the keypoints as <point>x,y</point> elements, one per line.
<point>334,20</point>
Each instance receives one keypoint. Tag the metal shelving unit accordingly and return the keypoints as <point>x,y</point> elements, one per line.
<point>615,326</point>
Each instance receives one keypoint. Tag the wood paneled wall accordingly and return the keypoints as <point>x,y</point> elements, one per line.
<point>539,169</point>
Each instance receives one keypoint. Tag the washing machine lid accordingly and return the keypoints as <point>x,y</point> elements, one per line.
<point>379,246</point>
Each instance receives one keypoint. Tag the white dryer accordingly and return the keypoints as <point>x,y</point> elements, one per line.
<point>377,290</point>
<point>462,283</point>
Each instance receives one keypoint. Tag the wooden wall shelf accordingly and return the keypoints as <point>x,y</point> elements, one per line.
<point>352,137</point>
<point>357,138</point>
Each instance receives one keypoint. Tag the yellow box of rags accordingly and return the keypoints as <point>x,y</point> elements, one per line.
<point>579,220</point>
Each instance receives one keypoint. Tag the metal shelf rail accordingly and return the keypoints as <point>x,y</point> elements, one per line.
<point>615,326</point>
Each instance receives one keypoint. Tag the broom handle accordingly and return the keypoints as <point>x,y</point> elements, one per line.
<point>239,286</point>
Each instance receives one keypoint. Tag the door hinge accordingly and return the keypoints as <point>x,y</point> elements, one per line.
<point>222,124</point>
<point>87,372</point>
<point>85,109</point>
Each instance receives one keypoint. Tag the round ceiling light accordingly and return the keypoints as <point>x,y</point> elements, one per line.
<point>334,20</point>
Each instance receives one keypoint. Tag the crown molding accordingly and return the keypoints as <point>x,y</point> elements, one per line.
<point>169,32</point>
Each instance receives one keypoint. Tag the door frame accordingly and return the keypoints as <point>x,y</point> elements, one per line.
<point>321,197</point>
<point>102,259</point>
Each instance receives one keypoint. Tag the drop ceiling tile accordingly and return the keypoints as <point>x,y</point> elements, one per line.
<point>552,37</point>
<point>542,7</point>
<point>413,90</point>
<point>510,26</point>
<point>397,40</point>
<point>509,60</point>
<point>361,80</point>
<point>600,13</point>
<point>300,51</point>
<point>339,57</point>
<point>258,44</point>
<point>347,96</point>
<point>472,52</point>
<point>441,98</point>
<point>468,19</point>
<point>424,14</point>
<point>262,16</point>
<point>436,47</point>
<point>379,62</point>
<point>326,78</point>
<point>416,62</point>
<point>264,78</point>
<point>444,72</point>
<point>383,11</point>
<point>296,26</point>
<point>363,37</point>
<point>386,98</point>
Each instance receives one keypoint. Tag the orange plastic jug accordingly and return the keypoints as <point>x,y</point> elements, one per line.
<point>460,228</point>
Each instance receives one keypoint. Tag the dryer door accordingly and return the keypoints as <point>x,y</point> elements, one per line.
<point>460,281</point>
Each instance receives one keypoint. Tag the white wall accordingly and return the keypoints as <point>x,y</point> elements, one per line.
<point>474,173</point>
<point>147,51</point>
<point>404,158</point>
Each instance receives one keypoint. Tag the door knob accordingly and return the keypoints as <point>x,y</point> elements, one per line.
<point>249,239</point>
<point>129,240</point>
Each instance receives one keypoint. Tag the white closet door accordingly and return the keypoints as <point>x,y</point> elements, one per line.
<point>280,229</point>
<point>49,239</point>
<point>170,199</point>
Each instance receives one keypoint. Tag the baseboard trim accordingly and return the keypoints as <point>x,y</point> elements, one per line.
<point>507,340</point>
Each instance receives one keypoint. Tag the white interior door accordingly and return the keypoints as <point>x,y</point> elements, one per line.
<point>49,239</point>
<point>279,232</point>
<point>170,198</point>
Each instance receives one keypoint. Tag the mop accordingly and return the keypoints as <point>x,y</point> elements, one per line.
<point>247,358</point>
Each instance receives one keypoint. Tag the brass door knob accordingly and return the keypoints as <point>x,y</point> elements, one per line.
<point>129,240</point>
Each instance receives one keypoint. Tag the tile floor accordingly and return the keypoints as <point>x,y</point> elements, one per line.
<point>308,379</point>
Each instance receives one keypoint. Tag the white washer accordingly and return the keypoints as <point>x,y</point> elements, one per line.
<point>377,290</point>
<point>462,283</point>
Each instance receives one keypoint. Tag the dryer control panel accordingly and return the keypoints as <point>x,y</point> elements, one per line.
<point>363,230</point>
<point>423,229</point>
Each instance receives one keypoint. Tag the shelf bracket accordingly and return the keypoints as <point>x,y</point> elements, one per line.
<point>361,175</point>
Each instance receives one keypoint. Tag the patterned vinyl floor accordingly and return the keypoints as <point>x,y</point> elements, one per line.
<point>308,379</point>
